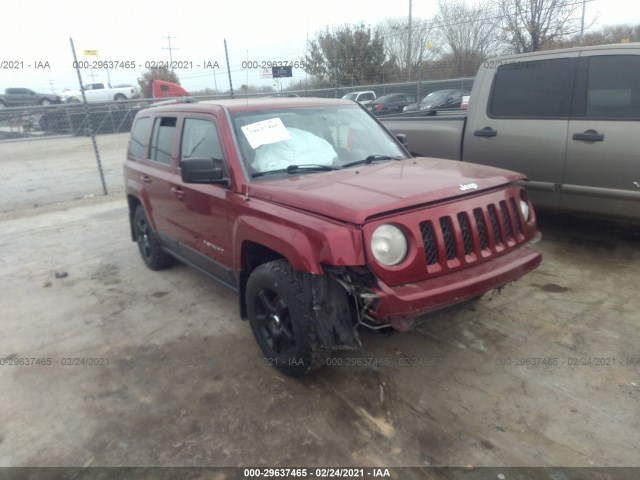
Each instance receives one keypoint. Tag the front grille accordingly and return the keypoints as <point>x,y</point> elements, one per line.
<point>482,228</point>
<point>429,243</point>
<point>495,226</point>
<point>465,229</point>
<point>482,232</point>
<point>449,240</point>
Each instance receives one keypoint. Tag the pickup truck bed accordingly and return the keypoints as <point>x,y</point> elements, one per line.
<point>433,136</point>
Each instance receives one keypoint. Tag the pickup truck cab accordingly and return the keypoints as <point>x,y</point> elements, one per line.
<point>319,218</point>
<point>100,92</point>
<point>568,119</point>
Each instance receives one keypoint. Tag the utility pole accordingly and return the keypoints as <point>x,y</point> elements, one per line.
<point>171,49</point>
<point>51,85</point>
<point>582,23</point>
<point>226,54</point>
<point>409,44</point>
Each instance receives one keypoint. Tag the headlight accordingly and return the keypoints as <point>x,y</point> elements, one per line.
<point>388,244</point>
<point>526,212</point>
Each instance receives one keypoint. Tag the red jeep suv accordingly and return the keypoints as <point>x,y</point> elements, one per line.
<point>319,218</point>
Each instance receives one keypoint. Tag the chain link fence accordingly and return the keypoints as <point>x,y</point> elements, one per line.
<point>47,153</point>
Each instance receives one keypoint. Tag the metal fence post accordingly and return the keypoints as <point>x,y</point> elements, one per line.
<point>88,118</point>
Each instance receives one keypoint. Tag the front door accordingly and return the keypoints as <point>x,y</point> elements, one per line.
<point>524,127</point>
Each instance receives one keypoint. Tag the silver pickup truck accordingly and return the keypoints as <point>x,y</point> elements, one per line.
<point>568,119</point>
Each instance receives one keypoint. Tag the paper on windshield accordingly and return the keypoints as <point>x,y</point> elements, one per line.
<point>265,132</point>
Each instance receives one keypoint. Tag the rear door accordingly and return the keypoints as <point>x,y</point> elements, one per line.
<point>603,156</point>
<point>524,126</point>
<point>157,174</point>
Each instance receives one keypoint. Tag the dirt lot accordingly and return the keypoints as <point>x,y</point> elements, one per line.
<point>180,380</point>
<point>42,171</point>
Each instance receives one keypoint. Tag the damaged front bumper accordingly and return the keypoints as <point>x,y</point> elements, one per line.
<point>399,306</point>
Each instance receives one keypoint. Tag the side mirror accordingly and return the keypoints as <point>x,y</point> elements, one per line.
<point>202,170</point>
<point>402,138</point>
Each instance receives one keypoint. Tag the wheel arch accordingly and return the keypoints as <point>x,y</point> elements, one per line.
<point>252,256</point>
<point>133,203</point>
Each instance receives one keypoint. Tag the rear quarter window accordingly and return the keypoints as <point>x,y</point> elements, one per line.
<point>139,137</point>
<point>162,140</point>
<point>613,87</point>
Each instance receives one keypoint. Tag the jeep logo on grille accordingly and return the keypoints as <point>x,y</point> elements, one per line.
<point>468,186</point>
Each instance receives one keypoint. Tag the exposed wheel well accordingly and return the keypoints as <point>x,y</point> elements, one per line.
<point>253,255</point>
<point>133,203</point>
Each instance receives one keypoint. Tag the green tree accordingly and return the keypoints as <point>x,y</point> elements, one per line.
<point>346,55</point>
<point>160,73</point>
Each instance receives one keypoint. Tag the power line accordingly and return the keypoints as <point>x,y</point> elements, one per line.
<point>171,49</point>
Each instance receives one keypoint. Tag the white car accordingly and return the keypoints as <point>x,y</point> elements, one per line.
<point>363,97</point>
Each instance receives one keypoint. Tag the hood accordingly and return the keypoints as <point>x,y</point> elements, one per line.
<point>354,194</point>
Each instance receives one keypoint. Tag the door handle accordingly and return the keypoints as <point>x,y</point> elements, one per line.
<point>486,132</point>
<point>589,136</point>
<point>145,178</point>
<point>178,192</point>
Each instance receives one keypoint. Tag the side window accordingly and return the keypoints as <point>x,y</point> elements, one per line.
<point>613,87</point>
<point>139,137</point>
<point>200,140</point>
<point>164,132</point>
<point>536,89</point>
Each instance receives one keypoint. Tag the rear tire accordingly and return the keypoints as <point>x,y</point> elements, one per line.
<point>119,97</point>
<point>150,250</point>
<point>281,321</point>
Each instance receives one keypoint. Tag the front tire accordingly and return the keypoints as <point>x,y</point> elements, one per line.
<point>150,250</point>
<point>281,321</point>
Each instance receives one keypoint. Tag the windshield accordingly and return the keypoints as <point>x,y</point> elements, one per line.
<point>350,96</point>
<point>321,138</point>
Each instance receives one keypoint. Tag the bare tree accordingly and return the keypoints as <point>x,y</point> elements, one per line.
<point>532,25</point>
<point>613,34</point>
<point>395,33</point>
<point>467,33</point>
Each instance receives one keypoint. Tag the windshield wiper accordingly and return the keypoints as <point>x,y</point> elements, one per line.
<point>291,169</point>
<point>371,158</point>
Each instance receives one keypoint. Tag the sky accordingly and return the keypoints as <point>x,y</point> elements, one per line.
<point>35,36</point>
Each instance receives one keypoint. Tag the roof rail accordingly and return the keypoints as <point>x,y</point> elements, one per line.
<point>172,101</point>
